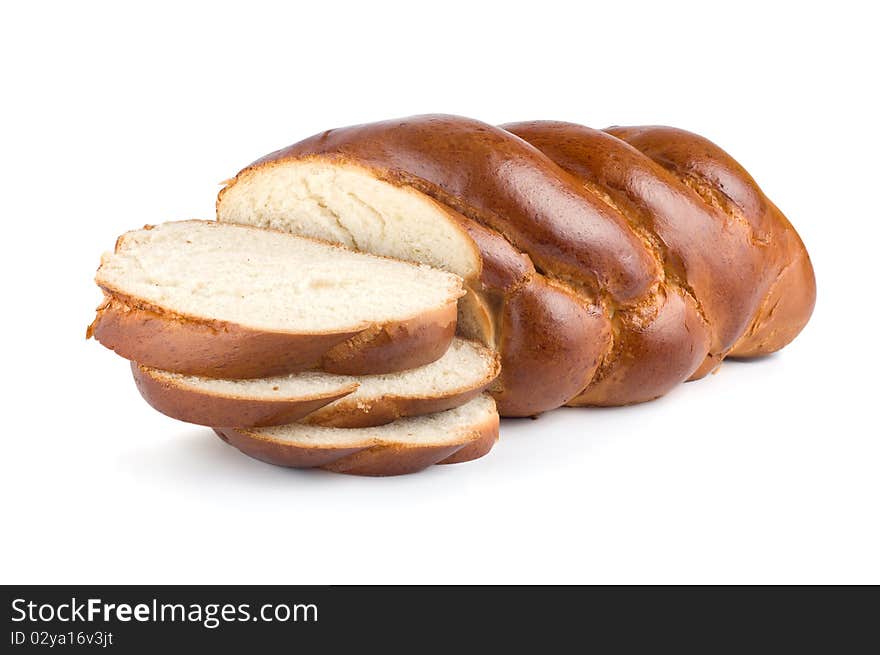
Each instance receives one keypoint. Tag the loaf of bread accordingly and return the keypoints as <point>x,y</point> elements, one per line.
<point>604,266</point>
<point>320,398</point>
<point>228,301</point>
<point>595,267</point>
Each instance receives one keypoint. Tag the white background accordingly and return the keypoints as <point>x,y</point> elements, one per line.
<point>114,117</point>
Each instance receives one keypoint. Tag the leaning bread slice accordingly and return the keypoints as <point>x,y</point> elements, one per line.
<point>228,301</point>
<point>404,446</point>
<point>360,401</point>
<point>248,403</point>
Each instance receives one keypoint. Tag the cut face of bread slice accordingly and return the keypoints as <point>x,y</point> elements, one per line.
<point>404,446</point>
<point>228,301</point>
<point>347,204</point>
<point>461,374</point>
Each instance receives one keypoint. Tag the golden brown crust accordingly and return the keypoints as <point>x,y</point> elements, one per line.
<point>712,276</point>
<point>551,339</point>
<point>786,309</point>
<point>651,355</point>
<point>161,339</point>
<point>369,458</point>
<point>788,300</point>
<point>186,403</point>
<point>551,345</point>
<point>699,247</point>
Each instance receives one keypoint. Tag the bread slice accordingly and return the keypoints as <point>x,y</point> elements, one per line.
<point>405,446</point>
<point>228,301</point>
<point>465,370</point>
<point>248,403</point>
<point>360,401</point>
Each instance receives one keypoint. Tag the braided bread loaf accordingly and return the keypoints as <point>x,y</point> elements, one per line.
<point>604,266</point>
